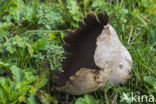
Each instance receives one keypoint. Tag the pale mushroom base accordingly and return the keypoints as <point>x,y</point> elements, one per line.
<point>85,81</point>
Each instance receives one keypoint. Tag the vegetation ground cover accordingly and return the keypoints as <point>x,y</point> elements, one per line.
<point>31,38</point>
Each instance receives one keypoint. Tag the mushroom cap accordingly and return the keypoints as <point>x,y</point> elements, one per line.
<point>94,56</point>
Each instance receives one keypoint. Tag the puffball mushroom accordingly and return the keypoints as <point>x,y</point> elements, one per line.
<point>95,57</point>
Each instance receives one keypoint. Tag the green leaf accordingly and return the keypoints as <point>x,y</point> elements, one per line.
<point>47,99</point>
<point>32,99</point>
<point>150,79</point>
<point>22,98</point>
<point>6,90</point>
<point>86,100</point>
<point>10,45</point>
<point>154,85</point>
<point>40,44</point>
<point>3,96</point>
<point>4,4</point>
<point>144,3</point>
<point>18,74</point>
<point>6,84</point>
<point>98,3</point>
<point>50,16</point>
<point>48,26</point>
<point>80,101</point>
<point>10,48</point>
<point>42,80</point>
<point>44,100</point>
<point>89,99</point>
<point>30,49</point>
<point>73,9</point>
<point>85,5</point>
<point>4,33</point>
<point>24,87</point>
<point>20,41</point>
<point>2,64</point>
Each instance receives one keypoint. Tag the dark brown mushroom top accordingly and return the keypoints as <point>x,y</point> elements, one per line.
<point>80,46</point>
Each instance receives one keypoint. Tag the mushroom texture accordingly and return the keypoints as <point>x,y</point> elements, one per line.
<point>95,57</point>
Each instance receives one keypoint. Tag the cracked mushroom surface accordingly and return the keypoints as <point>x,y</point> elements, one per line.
<point>95,57</point>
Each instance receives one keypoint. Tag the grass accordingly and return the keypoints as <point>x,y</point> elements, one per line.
<point>31,38</point>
